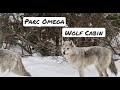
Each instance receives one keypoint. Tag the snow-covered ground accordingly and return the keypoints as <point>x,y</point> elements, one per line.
<point>54,67</point>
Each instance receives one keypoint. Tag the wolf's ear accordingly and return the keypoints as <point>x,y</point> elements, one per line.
<point>71,43</point>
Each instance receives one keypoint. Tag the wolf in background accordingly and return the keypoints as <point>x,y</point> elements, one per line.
<point>13,62</point>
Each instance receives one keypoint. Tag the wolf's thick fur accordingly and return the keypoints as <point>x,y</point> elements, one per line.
<point>81,57</point>
<point>12,61</point>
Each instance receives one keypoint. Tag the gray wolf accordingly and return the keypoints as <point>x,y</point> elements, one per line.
<point>13,62</point>
<point>81,57</point>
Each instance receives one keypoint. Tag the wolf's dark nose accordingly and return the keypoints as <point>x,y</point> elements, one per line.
<point>64,52</point>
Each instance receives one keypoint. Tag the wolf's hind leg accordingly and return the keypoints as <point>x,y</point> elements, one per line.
<point>99,71</point>
<point>105,72</point>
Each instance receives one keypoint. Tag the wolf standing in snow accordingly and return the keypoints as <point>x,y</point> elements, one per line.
<point>12,61</point>
<point>81,57</point>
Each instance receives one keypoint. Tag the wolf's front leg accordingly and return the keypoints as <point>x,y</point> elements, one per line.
<point>81,72</point>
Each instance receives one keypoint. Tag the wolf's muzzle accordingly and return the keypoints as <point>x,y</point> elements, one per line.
<point>64,52</point>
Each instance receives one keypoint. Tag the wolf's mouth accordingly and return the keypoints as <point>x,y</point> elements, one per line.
<point>66,54</point>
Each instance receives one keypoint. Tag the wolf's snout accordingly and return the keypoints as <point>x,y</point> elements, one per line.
<point>64,52</point>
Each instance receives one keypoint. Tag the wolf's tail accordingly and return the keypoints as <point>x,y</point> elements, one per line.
<point>113,67</point>
<point>27,74</point>
<point>23,70</point>
<point>19,68</point>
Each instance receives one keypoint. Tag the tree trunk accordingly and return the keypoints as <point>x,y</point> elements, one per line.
<point>0,38</point>
<point>57,44</point>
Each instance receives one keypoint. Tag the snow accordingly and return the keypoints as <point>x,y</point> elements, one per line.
<point>54,67</point>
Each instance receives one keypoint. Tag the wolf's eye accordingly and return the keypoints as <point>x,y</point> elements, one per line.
<point>67,48</point>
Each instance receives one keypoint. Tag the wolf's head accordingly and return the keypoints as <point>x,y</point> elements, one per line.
<point>68,48</point>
